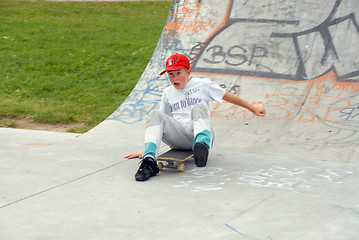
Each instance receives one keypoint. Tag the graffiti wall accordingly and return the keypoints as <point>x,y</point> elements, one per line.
<point>285,40</point>
<point>300,59</point>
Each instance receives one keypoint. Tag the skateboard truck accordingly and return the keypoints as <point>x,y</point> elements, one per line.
<point>174,159</point>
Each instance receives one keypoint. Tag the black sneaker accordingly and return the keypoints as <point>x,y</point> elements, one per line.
<point>147,169</point>
<point>200,152</point>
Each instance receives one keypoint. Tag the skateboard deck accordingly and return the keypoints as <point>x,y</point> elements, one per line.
<point>174,159</point>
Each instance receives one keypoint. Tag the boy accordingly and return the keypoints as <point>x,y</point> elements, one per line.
<point>183,120</point>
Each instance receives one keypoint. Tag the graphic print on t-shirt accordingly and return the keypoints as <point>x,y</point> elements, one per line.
<point>179,102</point>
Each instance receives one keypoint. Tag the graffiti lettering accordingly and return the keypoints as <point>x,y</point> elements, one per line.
<point>187,9</point>
<point>232,88</point>
<point>189,26</point>
<point>353,87</point>
<point>288,107</point>
<point>281,51</point>
<point>140,102</point>
<point>182,19</point>
<point>236,55</point>
<point>350,113</point>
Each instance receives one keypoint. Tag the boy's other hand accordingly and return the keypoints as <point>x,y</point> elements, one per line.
<point>259,110</point>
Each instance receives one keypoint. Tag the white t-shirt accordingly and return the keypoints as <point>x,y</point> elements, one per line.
<point>178,103</point>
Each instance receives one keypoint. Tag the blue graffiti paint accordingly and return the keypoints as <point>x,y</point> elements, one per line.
<point>141,102</point>
<point>350,113</point>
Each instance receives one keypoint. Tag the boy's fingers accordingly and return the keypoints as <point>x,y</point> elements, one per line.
<point>130,156</point>
<point>133,155</point>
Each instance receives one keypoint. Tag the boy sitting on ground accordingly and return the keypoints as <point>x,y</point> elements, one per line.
<point>183,120</point>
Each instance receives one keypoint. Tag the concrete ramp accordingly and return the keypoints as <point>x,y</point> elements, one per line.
<point>299,59</point>
<point>290,175</point>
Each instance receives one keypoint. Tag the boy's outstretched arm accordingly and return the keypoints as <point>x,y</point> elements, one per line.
<point>257,109</point>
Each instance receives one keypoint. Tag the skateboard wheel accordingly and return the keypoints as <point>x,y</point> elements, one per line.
<point>180,167</point>
<point>160,165</point>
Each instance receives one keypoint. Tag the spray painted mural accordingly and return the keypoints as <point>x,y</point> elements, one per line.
<point>287,40</point>
<point>301,59</point>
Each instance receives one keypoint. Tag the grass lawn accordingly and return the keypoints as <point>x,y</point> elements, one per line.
<point>74,61</point>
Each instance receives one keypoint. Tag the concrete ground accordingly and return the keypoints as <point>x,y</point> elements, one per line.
<point>70,186</point>
<point>290,175</point>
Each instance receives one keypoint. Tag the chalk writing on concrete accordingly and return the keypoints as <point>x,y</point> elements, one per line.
<point>299,180</point>
<point>204,179</point>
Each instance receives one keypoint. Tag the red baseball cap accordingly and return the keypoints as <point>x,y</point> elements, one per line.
<point>176,62</point>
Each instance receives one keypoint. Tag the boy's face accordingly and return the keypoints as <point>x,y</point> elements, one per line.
<point>179,78</point>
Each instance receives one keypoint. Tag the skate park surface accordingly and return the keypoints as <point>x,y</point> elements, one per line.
<point>290,175</point>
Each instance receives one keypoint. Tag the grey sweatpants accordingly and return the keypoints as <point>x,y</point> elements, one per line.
<point>177,134</point>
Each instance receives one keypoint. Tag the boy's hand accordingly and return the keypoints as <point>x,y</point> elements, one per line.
<point>134,155</point>
<point>259,110</point>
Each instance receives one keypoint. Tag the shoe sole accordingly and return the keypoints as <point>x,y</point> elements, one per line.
<point>200,152</point>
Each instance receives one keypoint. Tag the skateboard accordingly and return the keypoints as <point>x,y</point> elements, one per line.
<point>174,159</point>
